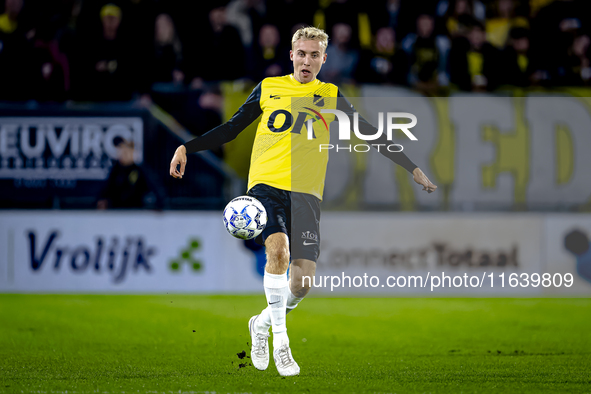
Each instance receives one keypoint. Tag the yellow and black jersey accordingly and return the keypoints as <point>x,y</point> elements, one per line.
<point>286,153</point>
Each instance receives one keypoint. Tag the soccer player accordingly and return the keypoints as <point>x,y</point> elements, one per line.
<point>287,172</point>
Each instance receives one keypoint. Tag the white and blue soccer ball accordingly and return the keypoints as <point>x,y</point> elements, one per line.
<point>245,217</point>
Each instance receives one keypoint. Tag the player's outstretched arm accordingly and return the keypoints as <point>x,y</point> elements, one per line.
<point>399,158</point>
<point>246,114</point>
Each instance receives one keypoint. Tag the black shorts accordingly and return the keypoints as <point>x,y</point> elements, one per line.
<point>294,214</point>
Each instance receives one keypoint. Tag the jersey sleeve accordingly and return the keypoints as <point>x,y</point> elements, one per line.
<point>226,132</point>
<point>365,127</point>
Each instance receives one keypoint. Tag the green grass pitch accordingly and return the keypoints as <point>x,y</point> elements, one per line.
<point>174,343</point>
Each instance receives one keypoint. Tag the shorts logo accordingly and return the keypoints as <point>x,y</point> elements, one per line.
<point>311,236</point>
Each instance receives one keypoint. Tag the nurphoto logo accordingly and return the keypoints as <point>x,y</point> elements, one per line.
<point>345,131</point>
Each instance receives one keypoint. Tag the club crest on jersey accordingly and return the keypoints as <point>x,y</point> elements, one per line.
<point>318,100</point>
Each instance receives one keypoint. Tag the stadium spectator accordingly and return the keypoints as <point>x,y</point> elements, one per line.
<point>67,31</point>
<point>269,56</point>
<point>128,186</point>
<point>51,78</point>
<point>451,12</point>
<point>247,17</point>
<point>409,12</point>
<point>348,12</point>
<point>70,36</point>
<point>386,63</point>
<point>16,65</point>
<point>555,28</point>
<point>517,65</point>
<point>223,40</point>
<point>106,72</point>
<point>427,54</point>
<point>393,11</point>
<point>168,52</point>
<point>577,69</point>
<point>385,13</point>
<point>473,61</point>
<point>560,16</point>
<point>9,19</point>
<point>536,5</point>
<point>126,59</point>
<point>344,59</point>
<point>497,28</point>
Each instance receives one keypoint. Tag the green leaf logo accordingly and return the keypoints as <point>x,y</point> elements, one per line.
<point>186,256</point>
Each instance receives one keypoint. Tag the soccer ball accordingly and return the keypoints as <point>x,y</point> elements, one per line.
<point>245,217</point>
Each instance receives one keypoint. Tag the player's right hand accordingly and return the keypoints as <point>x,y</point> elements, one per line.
<point>179,158</point>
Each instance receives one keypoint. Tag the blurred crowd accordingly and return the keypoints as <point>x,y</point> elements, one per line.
<point>112,50</point>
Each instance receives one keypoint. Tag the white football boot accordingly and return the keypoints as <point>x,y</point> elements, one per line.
<point>286,365</point>
<point>259,350</point>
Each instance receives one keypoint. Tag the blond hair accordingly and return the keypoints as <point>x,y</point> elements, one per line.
<point>310,33</point>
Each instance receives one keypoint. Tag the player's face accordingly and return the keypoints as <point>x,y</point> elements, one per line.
<point>308,57</point>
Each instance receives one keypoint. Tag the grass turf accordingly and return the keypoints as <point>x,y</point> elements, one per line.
<point>172,343</point>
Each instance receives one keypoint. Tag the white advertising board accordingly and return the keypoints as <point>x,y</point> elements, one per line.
<point>61,251</point>
<point>428,245</point>
<point>429,254</point>
<point>74,148</point>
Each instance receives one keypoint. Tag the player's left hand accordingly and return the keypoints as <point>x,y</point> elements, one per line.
<point>420,178</point>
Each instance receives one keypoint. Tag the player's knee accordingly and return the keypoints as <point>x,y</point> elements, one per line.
<point>277,254</point>
<point>277,260</point>
<point>300,287</point>
<point>302,275</point>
